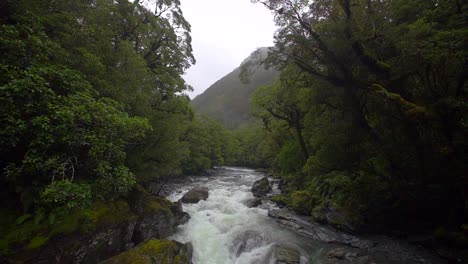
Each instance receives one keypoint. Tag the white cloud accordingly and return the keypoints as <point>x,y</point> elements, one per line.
<point>224,32</point>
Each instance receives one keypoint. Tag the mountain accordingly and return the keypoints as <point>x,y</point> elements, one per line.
<point>228,99</point>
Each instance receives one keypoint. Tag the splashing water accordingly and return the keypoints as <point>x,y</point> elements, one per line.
<point>223,229</point>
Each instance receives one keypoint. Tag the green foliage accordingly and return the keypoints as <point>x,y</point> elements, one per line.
<point>289,159</point>
<point>161,251</point>
<point>113,182</point>
<point>66,195</point>
<point>302,202</point>
<point>369,94</point>
<point>92,102</point>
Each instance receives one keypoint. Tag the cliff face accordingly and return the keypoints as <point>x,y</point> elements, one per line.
<point>228,99</point>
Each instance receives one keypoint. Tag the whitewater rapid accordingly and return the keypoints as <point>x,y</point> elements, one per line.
<point>217,224</point>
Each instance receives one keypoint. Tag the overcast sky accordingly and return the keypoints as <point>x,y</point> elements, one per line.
<point>224,33</point>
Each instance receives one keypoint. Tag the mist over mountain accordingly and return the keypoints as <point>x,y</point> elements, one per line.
<point>228,99</point>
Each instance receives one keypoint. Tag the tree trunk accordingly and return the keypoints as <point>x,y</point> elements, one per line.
<point>301,140</point>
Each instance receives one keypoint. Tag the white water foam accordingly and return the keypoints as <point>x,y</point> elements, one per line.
<point>217,222</point>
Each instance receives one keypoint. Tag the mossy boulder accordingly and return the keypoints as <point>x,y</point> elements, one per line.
<point>157,216</point>
<point>335,216</point>
<point>85,236</point>
<point>302,202</point>
<point>154,251</point>
<point>95,233</point>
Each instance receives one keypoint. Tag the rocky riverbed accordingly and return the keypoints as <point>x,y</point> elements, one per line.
<point>238,223</point>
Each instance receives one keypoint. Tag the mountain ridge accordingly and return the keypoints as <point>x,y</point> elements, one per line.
<point>228,99</point>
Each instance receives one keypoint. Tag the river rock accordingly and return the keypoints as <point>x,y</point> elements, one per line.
<point>315,230</point>
<point>255,202</point>
<point>154,251</point>
<point>284,254</point>
<point>261,187</point>
<point>195,195</point>
<point>342,253</point>
<point>247,241</point>
<point>189,247</point>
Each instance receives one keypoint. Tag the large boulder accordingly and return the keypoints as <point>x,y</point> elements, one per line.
<point>195,195</point>
<point>158,217</point>
<point>284,254</point>
<point>247,241</point>
<point>261,187</point>
<point>255,202</point>
<point>154,251</point>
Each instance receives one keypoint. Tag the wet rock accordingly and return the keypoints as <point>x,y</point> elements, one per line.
<point>342,253</point>
<point>154,251</point>
<point>255,202</point>
<point>261,187</point>
<point>195,195</point>
<point>284,254</point>
<point>247,241</point>
<point>315,230</point>
<point>189,247</point>
<point>157,216</point>
<point>333,216</point>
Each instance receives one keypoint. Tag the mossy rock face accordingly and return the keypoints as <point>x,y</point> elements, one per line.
<point>25,238</point>
<point>158,217</point>
<point>93,234</point>
<point>85,236</point>
<point>335,216</point>
<point>302,202</point>
<point>154,251</point>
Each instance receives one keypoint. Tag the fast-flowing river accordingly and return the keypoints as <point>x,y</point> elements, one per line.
<point>219,227</point>
<point>223,230</point>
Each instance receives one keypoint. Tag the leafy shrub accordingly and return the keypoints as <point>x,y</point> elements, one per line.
<point>290,159</point>
<point>113,182</point>
<point>65,195</point>
<point>302,202</point>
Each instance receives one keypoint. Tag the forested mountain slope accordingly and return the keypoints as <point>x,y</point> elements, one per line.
<point>228,99</point>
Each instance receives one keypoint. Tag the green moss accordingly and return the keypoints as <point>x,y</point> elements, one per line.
<point>153,251</point>
<point>104,214</point>
<point>30,236</point>
<point>280,199</point>
<point>302,202</point>
<point>143,202</point>
<point>37,242</point>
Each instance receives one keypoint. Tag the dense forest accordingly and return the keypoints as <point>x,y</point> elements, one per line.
<point>92,103</point>
<point>369,113</point>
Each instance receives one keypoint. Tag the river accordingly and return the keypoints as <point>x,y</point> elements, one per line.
<point>219,226</point>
